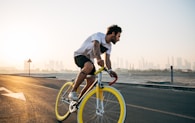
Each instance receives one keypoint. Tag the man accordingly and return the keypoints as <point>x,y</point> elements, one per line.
<point>91,49</point>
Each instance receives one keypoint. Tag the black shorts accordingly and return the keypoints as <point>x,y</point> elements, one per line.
<point>81,60</point>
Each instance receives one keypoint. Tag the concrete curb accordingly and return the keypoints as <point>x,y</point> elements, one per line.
<point>165,86</point>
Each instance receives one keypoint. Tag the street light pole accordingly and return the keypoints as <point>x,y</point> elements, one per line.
<point>29,61</point>
<point>171,74</point>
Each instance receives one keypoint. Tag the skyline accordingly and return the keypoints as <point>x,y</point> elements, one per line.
<point>52,30</point>
<point>58,66</point>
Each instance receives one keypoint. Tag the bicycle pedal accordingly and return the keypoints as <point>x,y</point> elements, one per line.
<point>73,106</point>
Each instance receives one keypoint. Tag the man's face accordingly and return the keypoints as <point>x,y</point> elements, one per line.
<point>115,37</point>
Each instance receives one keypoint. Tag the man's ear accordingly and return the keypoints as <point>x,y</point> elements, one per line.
<point>113,34</point>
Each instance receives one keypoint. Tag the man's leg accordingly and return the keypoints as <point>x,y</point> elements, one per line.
<point>88,67</point>
<point>89,81</point>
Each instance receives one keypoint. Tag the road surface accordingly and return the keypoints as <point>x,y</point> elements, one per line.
<point>32,100</point>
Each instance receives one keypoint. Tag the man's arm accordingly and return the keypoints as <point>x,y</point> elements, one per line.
<point>109,66</point>
<point>108,61</point>
<point>96,50</point>
<point>97,54</point>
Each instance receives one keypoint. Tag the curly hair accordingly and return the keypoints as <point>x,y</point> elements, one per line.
<point>113,28</point>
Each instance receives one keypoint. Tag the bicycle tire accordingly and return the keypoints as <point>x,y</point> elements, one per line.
<point>62,102</point>
<point>114,107</point>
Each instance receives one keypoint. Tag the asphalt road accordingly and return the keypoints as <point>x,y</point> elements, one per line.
<point>32,100</point>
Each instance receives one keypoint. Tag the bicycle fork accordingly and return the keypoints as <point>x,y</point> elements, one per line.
<point>99,97</point>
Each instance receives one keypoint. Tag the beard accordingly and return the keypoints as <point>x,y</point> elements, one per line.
<point>113,40</point>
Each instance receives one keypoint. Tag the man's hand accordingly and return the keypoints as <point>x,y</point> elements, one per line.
<point>113,74</point>
<point>100,62</point>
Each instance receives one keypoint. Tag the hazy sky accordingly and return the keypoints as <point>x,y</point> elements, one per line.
<point>45,30</point>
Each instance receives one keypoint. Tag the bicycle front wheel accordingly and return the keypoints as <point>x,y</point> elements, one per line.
<point>113,111</point>
<point>62,102</point>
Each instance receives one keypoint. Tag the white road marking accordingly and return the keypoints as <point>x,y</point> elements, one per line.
<point>9,93</point>
<point>4,89</point>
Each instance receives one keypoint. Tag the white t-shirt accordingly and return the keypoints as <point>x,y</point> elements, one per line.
<point>86,48</point>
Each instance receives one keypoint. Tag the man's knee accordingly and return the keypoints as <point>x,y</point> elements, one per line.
<point>88,67</point>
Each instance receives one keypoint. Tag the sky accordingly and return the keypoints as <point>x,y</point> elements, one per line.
<point>154,31</point>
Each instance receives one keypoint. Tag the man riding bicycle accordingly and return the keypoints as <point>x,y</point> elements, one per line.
<point>92,48</point>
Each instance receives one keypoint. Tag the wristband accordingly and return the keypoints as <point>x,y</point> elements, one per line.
<point>109,70</point>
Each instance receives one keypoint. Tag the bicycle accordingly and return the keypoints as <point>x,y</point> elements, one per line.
<point>100,103</point>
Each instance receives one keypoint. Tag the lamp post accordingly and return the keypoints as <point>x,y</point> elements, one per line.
<point>171,74</point>
<point>29,61</point>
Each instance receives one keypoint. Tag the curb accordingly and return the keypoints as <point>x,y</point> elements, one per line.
<point>176,87</point>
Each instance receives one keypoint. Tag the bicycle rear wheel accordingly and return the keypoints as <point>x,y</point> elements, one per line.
<point>114,110</point>
<point>62,102</point>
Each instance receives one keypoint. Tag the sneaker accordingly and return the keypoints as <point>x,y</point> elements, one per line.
<point>73,96</point>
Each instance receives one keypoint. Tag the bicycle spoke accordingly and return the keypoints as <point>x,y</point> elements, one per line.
<point>62,102</point>
<point>109,113</point>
